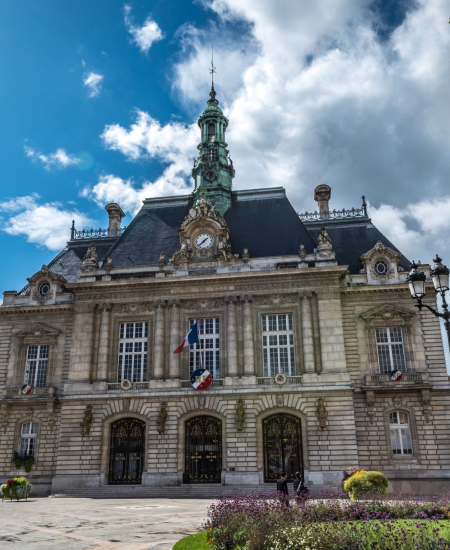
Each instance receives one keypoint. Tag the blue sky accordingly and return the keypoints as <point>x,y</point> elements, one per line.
<point>100,100</point>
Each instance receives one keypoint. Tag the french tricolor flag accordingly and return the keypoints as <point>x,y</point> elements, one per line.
<point>190,338</point>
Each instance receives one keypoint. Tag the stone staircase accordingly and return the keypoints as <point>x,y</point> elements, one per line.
<point>183,491</point>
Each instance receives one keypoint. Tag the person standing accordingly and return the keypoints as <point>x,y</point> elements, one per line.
<point>282,489</point>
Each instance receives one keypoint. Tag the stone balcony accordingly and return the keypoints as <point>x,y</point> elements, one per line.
<point>408,379</point>
<point>16,393</point>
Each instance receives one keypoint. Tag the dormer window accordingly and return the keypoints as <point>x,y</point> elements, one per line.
<point>44,289</point>
<point>211,132</point>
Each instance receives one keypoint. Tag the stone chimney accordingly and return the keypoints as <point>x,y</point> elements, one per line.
<point>115,215</point>
<point>322,194</point>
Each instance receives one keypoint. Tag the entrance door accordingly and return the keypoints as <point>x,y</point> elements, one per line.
<point>203,450</point>
<point>282,447</point>
<point>127,451</point>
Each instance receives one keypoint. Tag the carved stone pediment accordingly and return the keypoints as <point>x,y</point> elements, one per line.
<point>45,273</point>
<point>388,313</point>
<point>204,236</point>
<point>38,333</point>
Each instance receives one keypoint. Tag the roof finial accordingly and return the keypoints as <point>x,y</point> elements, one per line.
<point>212,70</point>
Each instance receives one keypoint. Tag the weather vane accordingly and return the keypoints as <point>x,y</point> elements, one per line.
<point>212,70</point>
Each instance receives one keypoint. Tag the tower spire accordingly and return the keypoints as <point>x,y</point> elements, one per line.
<point>212,70</point>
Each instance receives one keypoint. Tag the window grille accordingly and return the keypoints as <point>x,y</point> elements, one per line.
<point>206,354</point>
<point>36,366</point>
<point>278,345</point>
<point>391,352</point>
<point>133,352</point>
<point>28,439</point>
<point>401,440</point>
<point>211,155</point>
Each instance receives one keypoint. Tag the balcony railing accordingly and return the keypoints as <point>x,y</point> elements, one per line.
<point>335,214</point>
<point>94,233</point>
<point>218,382</point>
<point>408,378</point>
<point>45,391</point>
<point>115,386</point>
<point>270,380</point>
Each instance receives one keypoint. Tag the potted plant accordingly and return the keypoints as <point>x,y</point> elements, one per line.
<point>18,487</point>
<point>25,462</point>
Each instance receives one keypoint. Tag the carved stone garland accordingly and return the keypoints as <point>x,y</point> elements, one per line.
<point>240,415</point>
<point>88,417</point>
<point>321,413</point>
<point>162,418</point>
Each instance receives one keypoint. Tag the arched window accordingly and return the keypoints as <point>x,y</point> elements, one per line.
<point>400,430</point>
<point>211,132</point>
<point>28,439</point>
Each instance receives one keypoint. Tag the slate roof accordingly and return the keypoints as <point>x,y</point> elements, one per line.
<point>263,220</point>
<point>351,239</point>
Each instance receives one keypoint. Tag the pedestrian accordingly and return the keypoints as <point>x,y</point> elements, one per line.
<point>282,489</point>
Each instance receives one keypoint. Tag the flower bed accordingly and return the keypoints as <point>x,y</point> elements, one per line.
<point>16,488</point>
<point>330,522</point>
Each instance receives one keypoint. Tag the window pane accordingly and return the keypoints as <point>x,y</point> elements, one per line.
<point>406,441</point>
<point>26,428</point>
<point>395,442</point>
<point>278,349</point>
<point>391,352</point>
<point>381,335</point>
<point>133,353</point>
<point>393,418</point>
<point>404,418</point>
<point>206,354</point>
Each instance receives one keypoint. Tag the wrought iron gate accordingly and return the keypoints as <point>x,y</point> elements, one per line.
<point>127,451</point>
<point>282,447</point>
<point>203,462</point>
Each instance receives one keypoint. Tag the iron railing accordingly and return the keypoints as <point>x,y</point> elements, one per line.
<point>270,380</point>
<point>336,214</point>
<point>115,386</point>
<point>94,233</point>
<point>35,392</point>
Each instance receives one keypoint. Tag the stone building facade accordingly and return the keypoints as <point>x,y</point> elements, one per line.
<point>302,319</point>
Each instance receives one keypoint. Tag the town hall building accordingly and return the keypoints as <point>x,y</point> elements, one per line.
<point>301,320</point>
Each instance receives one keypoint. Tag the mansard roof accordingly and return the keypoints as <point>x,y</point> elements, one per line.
<point>352,239</point>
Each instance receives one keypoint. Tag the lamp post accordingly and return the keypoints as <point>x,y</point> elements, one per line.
<point>439,275</point>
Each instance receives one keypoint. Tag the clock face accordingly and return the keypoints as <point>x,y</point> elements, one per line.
<point>203,241</point>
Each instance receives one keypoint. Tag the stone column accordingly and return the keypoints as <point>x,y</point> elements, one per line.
<point>307,333</point>
<point>249,354</point>
<point>232,336</point>
<point>103,344</point>
<point>158,368</point>
<point>331,332</point>
<point>81,352</point>
<point>175,340</point>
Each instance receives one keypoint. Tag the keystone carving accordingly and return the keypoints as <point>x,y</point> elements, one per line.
<point>240,416</point>
<point>88,417</point>
<point>321,413</point>
<point>161,420</point>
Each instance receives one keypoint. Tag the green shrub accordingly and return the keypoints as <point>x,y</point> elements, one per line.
<point>364,484</point>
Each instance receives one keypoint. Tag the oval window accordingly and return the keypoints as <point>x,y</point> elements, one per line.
<point>44,289</point>
<point>381,267</point>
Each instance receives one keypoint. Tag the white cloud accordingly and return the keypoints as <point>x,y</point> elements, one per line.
<point>92,81</point>
<point>46,224</point>
<point>143,36</point>
<point>59,159</point>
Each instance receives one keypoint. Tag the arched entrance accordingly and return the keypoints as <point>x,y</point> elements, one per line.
<point>126,452</point>
<point>282,435</point>
<point>203,459</point>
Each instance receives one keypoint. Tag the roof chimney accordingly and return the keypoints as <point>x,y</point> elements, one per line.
<point>115,215</point>
<point>322,194</point>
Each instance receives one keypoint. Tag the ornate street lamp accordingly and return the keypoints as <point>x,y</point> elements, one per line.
<point>439,275</point>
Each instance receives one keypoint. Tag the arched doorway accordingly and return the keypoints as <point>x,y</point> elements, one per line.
<point>126,452</point>
<point>203,459</point>
<point>282,435</point>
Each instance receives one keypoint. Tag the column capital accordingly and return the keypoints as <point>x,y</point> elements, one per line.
<point>305,294</point>
<point>174,303</point>
<point>159,304</point>
<point>246,298</point>
<point>104,307</point>
<point>230,299</point>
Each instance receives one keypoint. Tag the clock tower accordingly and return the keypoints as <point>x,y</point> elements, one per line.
<point>213,169</point>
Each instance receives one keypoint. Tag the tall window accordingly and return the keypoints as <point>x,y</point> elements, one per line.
<point>206,354</point>
<point>391,352</point>
<point>36,367</point>
<point>400,429</point>
<point>278,345</point>
<point>28,439</point>
<point>212,155</point>
<point>133,352</point>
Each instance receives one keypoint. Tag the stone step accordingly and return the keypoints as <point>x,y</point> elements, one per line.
<point>185,491</point>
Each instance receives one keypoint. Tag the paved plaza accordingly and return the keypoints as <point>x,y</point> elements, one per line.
<point>110,524</point>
